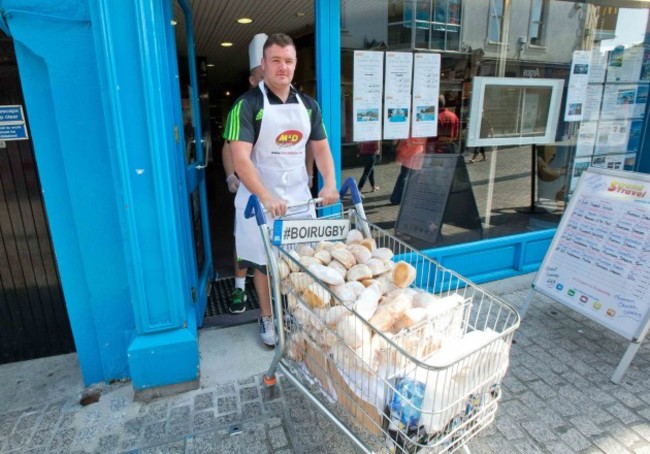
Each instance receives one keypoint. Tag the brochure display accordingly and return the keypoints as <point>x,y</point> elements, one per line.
<point>598,263</point>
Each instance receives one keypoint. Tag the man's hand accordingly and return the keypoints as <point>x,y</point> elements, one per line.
<point>275,207</point>
<point>329,194</point>
<point>233,183</point>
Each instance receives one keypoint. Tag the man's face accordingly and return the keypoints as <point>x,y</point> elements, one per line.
<point>279,64</point>
<point>257,74</point>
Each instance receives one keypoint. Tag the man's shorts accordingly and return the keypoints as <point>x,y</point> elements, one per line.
<point>243,264</point>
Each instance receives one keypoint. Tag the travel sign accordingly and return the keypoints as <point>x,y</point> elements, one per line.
<point>12,123</point>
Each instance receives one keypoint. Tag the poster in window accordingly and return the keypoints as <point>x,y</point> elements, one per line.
<point>367,95</point>
<point>586,138</point>
<point>578,82</point>
<point>426,86</point>
<point>624,65</point>
<point>397,96</point>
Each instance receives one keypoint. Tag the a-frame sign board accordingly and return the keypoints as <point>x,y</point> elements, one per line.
<point>598,263</point>
<point>438,193</point>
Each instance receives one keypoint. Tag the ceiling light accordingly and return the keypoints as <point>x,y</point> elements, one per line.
<point>227,93</point>
<point>174,22</point>
<point>210,65</point>
<point>226,44</point>
<point>244,20</point>
<point>300,14</point>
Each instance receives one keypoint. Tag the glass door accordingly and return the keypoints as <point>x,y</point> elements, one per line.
<point>196,143</point>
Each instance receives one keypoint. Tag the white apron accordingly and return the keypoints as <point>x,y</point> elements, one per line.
<point>279,157</point>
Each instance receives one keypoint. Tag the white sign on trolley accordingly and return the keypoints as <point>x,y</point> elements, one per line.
<point>598,263</point>
<point>309,230</point>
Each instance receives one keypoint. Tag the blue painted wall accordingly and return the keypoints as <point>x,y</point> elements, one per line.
<point>58,69</point>
<point>103,104</point>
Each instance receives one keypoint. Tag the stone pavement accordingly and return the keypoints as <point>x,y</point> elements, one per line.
<point>557,398</point>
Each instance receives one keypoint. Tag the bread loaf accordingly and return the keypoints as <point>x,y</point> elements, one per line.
<point>369,243</point>
<point>383,253</point>
<point>339,267</point>
<point>354,236</point>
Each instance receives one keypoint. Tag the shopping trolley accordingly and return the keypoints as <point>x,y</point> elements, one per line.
<point>420,370</point>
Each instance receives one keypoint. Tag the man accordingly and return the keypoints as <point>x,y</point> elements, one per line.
<point>269,129</point>
<point>237,303</point>
<point>448,128</point>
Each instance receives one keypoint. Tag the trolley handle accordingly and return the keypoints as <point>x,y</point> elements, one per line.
<point>351,185</point>
<point>255,208</point>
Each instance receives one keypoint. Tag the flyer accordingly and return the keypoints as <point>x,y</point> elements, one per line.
<point>586,138</point>
<point>598,66</point>
<point>593,98</point>
<point>612,137</point>
<point>426,86</point>
<point>397,97</point>
<point>625,65</point>
<point>367,95</point>
<point>618,101</point>
<point>578,81</point>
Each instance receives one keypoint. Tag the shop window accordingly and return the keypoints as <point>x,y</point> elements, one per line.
<point>494,21</point>
<point>536,28</point>
<point>428,24</point>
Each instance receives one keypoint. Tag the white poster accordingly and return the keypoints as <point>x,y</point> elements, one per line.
<point>578,81</point>
<point>426,86</point>
<point>624,65</point>
<point>640,100</point>
<point>598,66</point>
<point>614,162</point>
<point>586,138</point>
<point>612,137</point>
<point>579,166</point>
<point>397,97</point>
<point>618,101</point>
<point>593,98</point>
<point>367,94</point>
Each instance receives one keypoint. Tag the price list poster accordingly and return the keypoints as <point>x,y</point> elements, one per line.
<point>397,97</point>
<point>367,95</point>
<point>599,261</point>
<point>426,86</point>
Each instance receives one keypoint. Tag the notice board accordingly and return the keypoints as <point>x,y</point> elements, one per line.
<point>438,193</point>
<point>598,263</point>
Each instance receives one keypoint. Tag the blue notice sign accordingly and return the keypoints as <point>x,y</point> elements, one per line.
<point>12,123</point>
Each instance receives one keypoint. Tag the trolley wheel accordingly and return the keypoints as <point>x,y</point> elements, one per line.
<point>269,381</point>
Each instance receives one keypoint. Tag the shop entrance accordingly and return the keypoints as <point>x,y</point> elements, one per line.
<point>223,77</point>
<point>33,318</point>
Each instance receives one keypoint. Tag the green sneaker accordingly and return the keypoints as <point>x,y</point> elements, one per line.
<point>237,301</point>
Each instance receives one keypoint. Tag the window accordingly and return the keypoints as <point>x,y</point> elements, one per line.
<point>494,21</point>
<point>537,17</point>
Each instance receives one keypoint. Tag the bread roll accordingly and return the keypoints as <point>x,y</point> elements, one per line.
<point>339,267</point>
<point>324,256</point>
<point>283,269</point>
<point>307,261</point>
<point>305,249</point>
<point>327,245</point>
<point>344,256</point>
<point>425,300</point>
<point>367,302</point>
<point>369,243</point>
<point>409,318</point>
<point>377,266</point>
<point>383,253</point>
<point>316,296</point>
<point>382,320</point>
<point>353,332</point>
<point>293,265</point>
<point>354,236</point>
<point>357,287</point>
<point>338,245</point>
<point>334,315</point>
<point>326,274</point>
<point>359,273</point>
<point>361,254</point>
<point>398,305</point>
<point>403,274</point>
<point>345,294</point>
<point>300,281</point>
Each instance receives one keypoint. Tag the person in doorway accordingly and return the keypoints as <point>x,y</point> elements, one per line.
<point>237,303</point>
<point>269,129</point>
<point>448,129</point>
<point>409,154</point>
<point>369,152</point>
